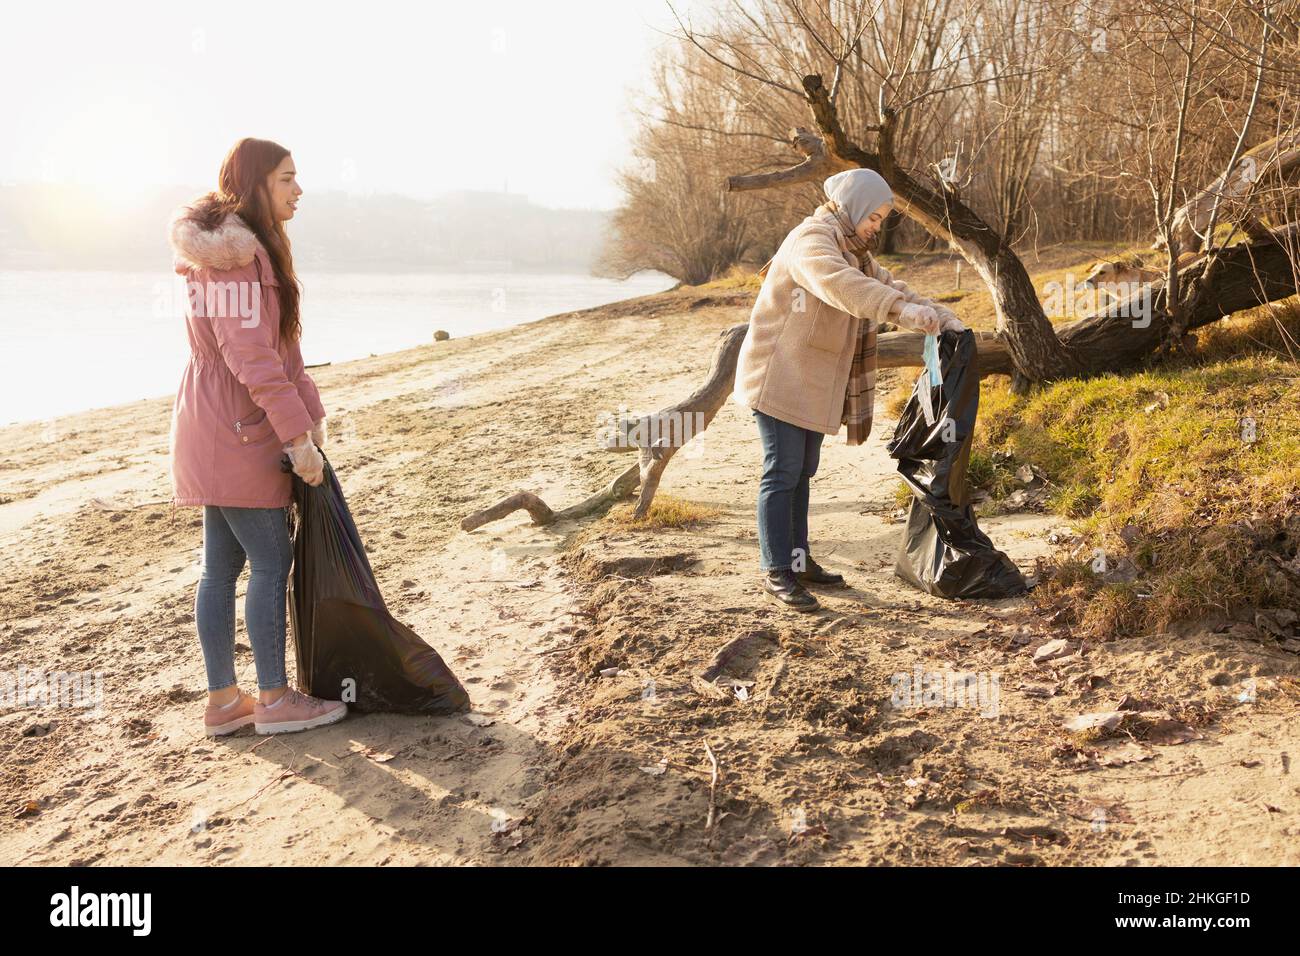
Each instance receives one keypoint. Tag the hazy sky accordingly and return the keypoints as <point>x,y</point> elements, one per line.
<point>414,98</point>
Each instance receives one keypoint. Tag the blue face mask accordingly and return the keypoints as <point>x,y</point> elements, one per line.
<point>930,354</point>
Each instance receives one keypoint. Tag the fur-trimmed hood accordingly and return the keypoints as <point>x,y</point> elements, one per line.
<point>231,245</point>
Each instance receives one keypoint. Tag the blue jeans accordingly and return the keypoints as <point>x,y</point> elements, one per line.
<point>790,457</point>
<point>230,537</point>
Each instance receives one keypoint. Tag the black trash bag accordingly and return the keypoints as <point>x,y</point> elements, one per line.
<point>943,551</point>
<point>341,626</point>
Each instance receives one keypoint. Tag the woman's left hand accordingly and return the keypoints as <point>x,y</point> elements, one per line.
<point>306,459</point>
<point>318,433</point>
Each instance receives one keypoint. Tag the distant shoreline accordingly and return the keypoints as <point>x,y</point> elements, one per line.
<point>56,419</point>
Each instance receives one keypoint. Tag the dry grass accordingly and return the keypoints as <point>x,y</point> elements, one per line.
<point>736,279</point>
<point>665,512</point>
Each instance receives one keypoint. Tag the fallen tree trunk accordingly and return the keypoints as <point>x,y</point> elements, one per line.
<point>1243,276</point>
<point>1126,332</point>
<point>1275,161</point>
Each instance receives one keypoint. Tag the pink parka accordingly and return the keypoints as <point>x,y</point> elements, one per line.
<point>244,392</point>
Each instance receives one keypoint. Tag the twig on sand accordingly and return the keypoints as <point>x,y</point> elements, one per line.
<point>556,617</point>
<point>553,650</point>
<point>104,504</point>
<point>283,775</point>
<point>713,787</point>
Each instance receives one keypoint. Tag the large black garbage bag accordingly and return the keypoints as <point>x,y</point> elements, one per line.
<point>341,626</point>
<point>943,551</point>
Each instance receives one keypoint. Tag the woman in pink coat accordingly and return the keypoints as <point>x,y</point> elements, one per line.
<point>245,401</point>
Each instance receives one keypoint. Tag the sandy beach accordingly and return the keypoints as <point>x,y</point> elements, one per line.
<point>558,764</point>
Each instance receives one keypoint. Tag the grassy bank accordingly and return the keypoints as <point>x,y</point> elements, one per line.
<point>1183,481</point>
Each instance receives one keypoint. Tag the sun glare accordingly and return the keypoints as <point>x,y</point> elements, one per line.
<point>112,144</point>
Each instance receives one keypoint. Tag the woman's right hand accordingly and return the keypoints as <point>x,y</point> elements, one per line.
<point>308,464</point>
<point>919,317</point>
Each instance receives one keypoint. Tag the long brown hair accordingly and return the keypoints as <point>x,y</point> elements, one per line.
<point>241,189</point>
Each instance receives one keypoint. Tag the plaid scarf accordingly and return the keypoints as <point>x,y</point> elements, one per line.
<point>860,395</point>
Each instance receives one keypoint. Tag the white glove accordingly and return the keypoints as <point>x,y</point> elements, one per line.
<point>919,317</point>
<point>951,324</point>
<point>318,433</point>
<point>308,464</point>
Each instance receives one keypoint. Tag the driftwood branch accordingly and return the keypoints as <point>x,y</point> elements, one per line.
<point>655,438</point>
<point>621,487</point>
<point>658,437</point>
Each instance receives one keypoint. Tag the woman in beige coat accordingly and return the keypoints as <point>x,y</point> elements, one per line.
<point>808,363</point>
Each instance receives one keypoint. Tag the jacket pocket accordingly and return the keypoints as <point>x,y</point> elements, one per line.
<point>254,428</point>
<point>826,330</point>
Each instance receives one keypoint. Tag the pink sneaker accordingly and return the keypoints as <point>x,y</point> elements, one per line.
<point>295,711</point>
<point>221,720</point>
